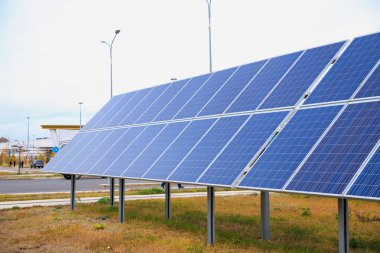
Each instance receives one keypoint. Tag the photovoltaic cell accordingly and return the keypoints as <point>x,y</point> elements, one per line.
<point>263,83</point>
<point>371,88</point>
<point>295,84</point>
<point>206,150</point>
<point>129,154</point>
<point>154,150</point>
<point>94,153</point>
<point>162,101</point>
<point>144,104</point>
<point>124,108</point>
<point>182,97</point>
<point>349,71</point>
<point>83,150</point>
<point>339,155</point>
<point>113,152</point>
<point>103,112</point>
<point>279,161</point>
<point>173,156</point>
<point>196,103</point>
<point>219,103</point>
<point>368,182</point>
<point>65,152</point>
<point>239,152</point>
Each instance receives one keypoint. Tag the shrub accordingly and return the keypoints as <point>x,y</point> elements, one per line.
<point>305,211</point>
<point>103,201</point>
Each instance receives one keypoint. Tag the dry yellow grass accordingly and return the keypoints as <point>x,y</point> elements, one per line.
<point>298,224</point>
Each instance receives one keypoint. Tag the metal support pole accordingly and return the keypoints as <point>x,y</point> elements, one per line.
<point>121,199</point>
<point>211,215</point>
<point>167,201</point>
<point>72,197</point>
<point>343,226</point>
<point>112,191</point>
<point>265,227</point>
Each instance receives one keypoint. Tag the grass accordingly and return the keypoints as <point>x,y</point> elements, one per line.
<point>20,197</point>
<point>56,229</point>
<point>5,175</point>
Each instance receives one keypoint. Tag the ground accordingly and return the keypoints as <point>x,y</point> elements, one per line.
<point>298,224</point>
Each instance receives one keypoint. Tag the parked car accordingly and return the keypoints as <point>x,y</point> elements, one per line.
<point>68,176</point>
<point>38,164</point>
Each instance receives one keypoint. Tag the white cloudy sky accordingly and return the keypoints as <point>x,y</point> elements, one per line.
<point>52,58</point>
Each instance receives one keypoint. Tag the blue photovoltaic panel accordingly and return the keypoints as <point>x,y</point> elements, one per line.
<point>263,83</point>
<point>219,103</point>
<point>371,88</point>
<point>339,155</point>
<point>368,182</point>
<point>295,84</point>
<point>154,150</point>
<point>133,150</point>
<point>279,161</point>
<point>349,71</point>
<point>144,104</point>
<point>64,152</point>
<point>103,112</point>
<point>233,160</point>
<point>125,108</point>
<point>82,153</point>
<point>205,93</point>
<point>113,152</point>
<point>162,101</point>
<point>182,97</point>
<point>207,149</point>
<point>94,153</point>
<point>173,156</point>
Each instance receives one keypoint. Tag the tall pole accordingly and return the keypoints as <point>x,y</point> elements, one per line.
<point>27,144</point>
<point>80,115</point>
<point>209,32</point>
<point>110,48</point>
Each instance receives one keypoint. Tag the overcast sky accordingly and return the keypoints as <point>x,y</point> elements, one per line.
<point>52,58</point>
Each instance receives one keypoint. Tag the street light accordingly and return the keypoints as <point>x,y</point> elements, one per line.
<point>27,144</point>
<point>110,47</point>
<point>80,115</point>
<point>209,31</point>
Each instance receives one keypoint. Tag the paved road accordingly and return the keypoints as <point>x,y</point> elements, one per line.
<point>56,202</point>
<point>55,185</point>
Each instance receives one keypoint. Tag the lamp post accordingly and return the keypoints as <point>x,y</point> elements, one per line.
<point>27,144</point>
<point>209,31</point>
<point>80,115</point>
<point>110,47</point>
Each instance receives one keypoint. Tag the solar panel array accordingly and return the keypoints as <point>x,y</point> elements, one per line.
<point>306,122</point>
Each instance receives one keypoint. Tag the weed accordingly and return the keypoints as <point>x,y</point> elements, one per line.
<point>103,201</point>
<point>367,217</point>
<point>103,217</point>
<point>99,226</point>
<point>57,218</point>
<point>15,208</point>
<point>150,191</point>
<point>194,249</point>
<point>305,211</point>
<point>57,208</point>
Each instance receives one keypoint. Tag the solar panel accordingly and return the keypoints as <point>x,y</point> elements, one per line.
<point>92,154</point>
<point>240,151</point>
<point>206,150</point>
<point>142,163</point>
<point>219,103</point>
<point>263,83</point>
<point>368,182</point>
<point>349,71</point>
<point>182,97</point>
<point>371,87</point>
<point>122,110</point>
<point>110,155</point>
<point>162,101</point>
<point>103,111</point>
<point>307,69</point>
<point>336,159</point>
<point>168,160</point>
<point>144,104</point>
<point>128,155</point>
<point>83,151</point>
<point>275,166</point>
<point>196,103</point>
